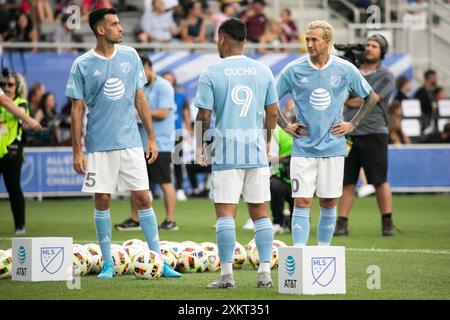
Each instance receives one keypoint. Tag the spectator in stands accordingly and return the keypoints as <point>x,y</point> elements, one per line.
<point>227,10</point>
<point>90,5</point>
<point>425,95</point>
<point>273,35</point>
<point>8,18</point>
<point>396,135</point>
<point>157,25</point>
<point>255,20</point>
<point>370,140</point>
<point>403,86</point>
<point>193,26</point>
<point>24,31</point>
<point>38,10</point>
<point>13,94</point>
<point>182,119</point>
<point>34,97</point>
<point>208,21</point>
<point>48,118</point>
<point>65,124</point>
<point>63,34</point>
<point>439,137</point>
<point>289,27</point>
<point>439,94</point>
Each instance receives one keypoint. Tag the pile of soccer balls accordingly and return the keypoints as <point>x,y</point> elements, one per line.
<point>5,263</point>
<point>134,257</point>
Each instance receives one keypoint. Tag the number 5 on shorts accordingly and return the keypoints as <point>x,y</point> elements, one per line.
<point>89,181</point>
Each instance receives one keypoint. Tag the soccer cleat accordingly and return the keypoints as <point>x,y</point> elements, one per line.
<point>168,272</point>
<point>249,225</point>
<point>223,282</point>
<point>128,225</point>
<point>264,280</point>
<point>169,225</point>
<point>341,227</point>
<point>19,232</point>
<point>277,229</point>
<point>387,227</point>
<point>107,271</point>
<point>366,190</point>
<point>181,196</point>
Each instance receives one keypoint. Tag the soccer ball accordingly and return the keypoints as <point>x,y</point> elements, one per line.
<point>168,256</point>
<point>120,259</point>
<point>250,245</point>
<point>131,242</point>
<point>133,249</point>
<point>5,265</point>
<point>239,256</point>
<point>208,247</point>
<point>147,265</point>
<point>253,258</point>
<point>177,248</point>
<point>96,257</point>
<point>190,246</point>
<point>212,261</point>
<point>81,261</point>
<point>192,261</point>
<point>279,244</point>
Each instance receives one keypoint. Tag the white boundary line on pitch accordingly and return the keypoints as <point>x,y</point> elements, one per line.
<point>377,250</point>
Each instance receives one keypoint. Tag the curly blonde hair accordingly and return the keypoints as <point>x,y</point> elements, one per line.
<point>327,33</point>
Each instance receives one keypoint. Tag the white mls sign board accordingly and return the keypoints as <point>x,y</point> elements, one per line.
<point>311,270</point>
<point>42,259</point>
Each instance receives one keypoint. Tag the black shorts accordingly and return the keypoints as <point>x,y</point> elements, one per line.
<point>159,171</point>
<point>370,152</point>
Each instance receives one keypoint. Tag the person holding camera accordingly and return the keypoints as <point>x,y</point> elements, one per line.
<point>370,140</point>
<point>13,114</point>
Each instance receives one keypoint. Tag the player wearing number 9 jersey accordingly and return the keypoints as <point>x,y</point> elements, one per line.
<point>242,94</point>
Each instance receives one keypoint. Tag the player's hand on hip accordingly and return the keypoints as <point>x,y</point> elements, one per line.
<point>79,163</point>
<point>152,151</point>
<point>296,130</point>
<point>341,129</point>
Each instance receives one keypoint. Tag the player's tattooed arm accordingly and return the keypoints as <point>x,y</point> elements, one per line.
<point>342,128</point>
<point>77,113</point>
<point>143,110</point>
<point>271,120</point>
<point>369,104</point>
<point>204,120</point>
<point>294,129</point>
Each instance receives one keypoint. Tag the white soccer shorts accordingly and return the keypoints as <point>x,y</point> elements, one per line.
<point>125,169</point>
<point>228,185</point>
<point>322,176</point>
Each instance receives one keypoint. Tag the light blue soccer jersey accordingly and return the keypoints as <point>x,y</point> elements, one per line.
<point>108,87</point>
<point>160,95</point>
<point>237,89</point>
<point>319,96</point>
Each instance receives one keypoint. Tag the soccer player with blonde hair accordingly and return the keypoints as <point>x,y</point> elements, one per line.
<point>319,84</point>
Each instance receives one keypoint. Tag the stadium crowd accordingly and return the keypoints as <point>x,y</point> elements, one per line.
<point>161,21</point>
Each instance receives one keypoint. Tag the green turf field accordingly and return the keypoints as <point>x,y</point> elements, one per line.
<point>414,265</point>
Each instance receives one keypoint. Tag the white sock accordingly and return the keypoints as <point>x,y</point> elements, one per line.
<point>299,245</point>
<point>323,244</point>
<point>264,267</point>
<point>226,268</point>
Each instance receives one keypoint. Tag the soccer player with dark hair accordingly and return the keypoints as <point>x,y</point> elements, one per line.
<point>242,94</point>
<point>109,80</point>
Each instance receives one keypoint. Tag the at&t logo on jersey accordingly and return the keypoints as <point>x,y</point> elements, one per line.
<point>114,89</point>
<point>320,99</point>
